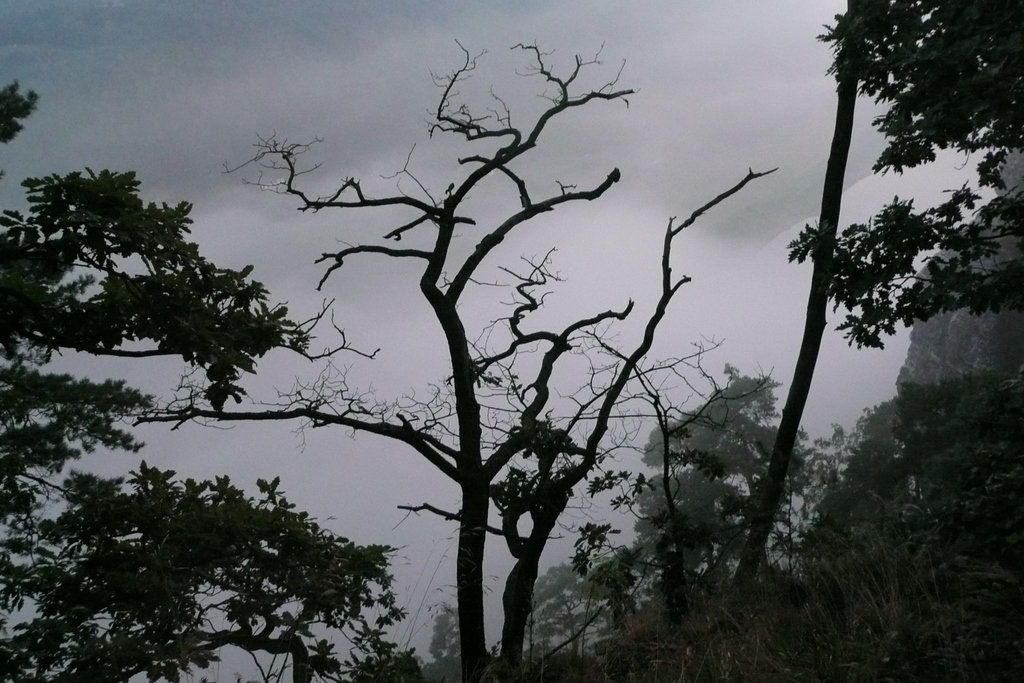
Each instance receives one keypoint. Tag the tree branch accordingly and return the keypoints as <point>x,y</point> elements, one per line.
<point>339,257</point>
<point>445,514</point>
<point>497,236</point>
<point>435,452</point>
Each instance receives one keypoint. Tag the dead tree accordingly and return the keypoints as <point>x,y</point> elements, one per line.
<point>496,427</point>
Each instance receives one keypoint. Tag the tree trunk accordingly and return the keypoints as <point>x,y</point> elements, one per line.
<point>470,579</point>
<point>301,670</point>
<point>772,486</point>
<point>517,599</point>
<point>518,603</point>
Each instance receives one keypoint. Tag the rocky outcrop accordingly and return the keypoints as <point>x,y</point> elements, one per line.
<point>954,344</point>
<point>958,343</point>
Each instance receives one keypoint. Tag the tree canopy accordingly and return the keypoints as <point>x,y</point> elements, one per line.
<point>93,268</point>
<point>14,106</point>
<point>949,76</point>
<point>156,579</point>
<point>102,579</point>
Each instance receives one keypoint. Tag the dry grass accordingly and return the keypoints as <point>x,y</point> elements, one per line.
<point>875,612</point>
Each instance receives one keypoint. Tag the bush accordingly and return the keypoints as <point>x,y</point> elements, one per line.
<point>867,608</point>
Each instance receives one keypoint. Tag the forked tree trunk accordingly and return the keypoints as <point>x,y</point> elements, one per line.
<point>517,599</point>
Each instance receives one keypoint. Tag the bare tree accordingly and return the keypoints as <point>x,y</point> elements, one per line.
<point>496,427</point>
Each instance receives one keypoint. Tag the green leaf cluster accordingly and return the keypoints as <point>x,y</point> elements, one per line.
<point>948,72</point>
<point>156,576</point>
<point>14,106</point>
<point>94,268</point>
<point>949,76</point>
<point>103,580</point>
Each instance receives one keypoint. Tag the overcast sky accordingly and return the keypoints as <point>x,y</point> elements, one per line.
<point>174,90</point>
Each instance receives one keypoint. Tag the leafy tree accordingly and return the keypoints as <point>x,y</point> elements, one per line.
<point>945,462</point>
<point>570,615</point>
<point>863,460</point>
<point>495,426</point>
<point>156,579</point>
<point>94,268</point>
<point>927,508</point>
<point>444,648</point>
<point>693,513</point>
<point>98,582</point>
<point>46,421</point>
<point>978,486</point>
<point>49,420</point>
<point>567,612</point>
<point>14,107</point>
<point>950,76</point>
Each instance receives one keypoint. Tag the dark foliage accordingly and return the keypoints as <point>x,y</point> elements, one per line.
<point>101,580</point>
<point>951,77</point>
<point>14,106</point>
<point>157,578</point>
<point>945,462</point>
<point>94,268</point>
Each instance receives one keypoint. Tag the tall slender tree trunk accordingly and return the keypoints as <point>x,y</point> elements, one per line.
<point>470,578</point>
<point>772,486</point>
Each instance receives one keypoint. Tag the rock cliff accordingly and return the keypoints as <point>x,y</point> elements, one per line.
<point>958,343</point>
